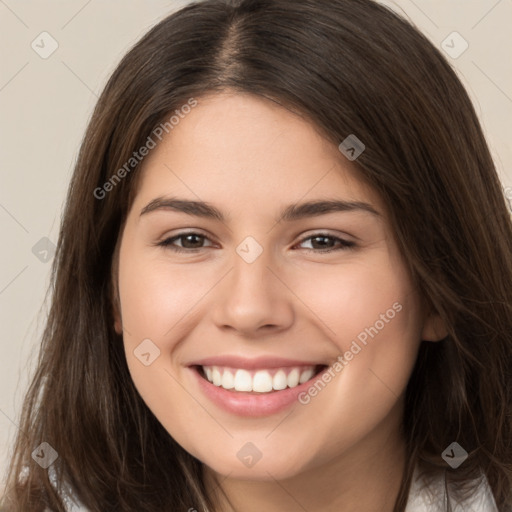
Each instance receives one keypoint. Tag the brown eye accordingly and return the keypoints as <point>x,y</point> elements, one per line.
<point>190,242</point>
<point>323,242</point>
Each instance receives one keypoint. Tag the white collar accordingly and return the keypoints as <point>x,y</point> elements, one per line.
<point>435,496</point>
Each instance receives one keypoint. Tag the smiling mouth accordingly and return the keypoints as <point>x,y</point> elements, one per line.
<point>272,380</point>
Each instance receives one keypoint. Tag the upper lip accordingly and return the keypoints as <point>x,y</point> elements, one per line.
<point>232,361</point>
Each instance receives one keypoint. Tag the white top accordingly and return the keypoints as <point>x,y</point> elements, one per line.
<point>421,499</point>
<point>433,498</point>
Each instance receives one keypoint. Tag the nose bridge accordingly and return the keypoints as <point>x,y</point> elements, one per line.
<point>252,295</point>
<point>251,273</point>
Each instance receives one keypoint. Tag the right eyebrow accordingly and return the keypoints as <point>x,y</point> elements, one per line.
<point>196,208</point>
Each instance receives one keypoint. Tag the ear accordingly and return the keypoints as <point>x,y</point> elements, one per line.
<point>118,324</point>
<point>115,301</point>
<point>434,329</point>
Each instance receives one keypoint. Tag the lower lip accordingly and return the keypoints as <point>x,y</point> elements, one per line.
<point>252,404</point>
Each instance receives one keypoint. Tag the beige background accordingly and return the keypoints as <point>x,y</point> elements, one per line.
<point>45,105</point>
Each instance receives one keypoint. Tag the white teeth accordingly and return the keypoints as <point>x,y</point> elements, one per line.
<point>216,377</point>
<point>306,375</point>
<point>228,381</point>
<point>293,378</point>
<point>260,381</point>
<point>280,381</point>
<point>243,381</point>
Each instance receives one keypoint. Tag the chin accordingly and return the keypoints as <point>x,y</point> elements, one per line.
<point>263,470</point>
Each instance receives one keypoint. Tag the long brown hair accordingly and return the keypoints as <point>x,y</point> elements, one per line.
<point>350,67</point>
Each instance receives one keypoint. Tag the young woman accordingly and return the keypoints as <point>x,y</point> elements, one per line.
<point>283,279</point>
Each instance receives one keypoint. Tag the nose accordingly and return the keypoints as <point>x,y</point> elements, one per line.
<point>253,299</point>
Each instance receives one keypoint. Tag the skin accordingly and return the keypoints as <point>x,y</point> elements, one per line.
<point>250,158</point>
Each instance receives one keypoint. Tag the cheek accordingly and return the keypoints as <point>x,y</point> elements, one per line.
<point>372,317</point>
<point>155,296</point>
<point>156,302</point>
<point>350,299</point>
<point>371,314</point>
<point>160,302</point>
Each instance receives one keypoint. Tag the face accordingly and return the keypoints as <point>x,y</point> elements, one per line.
<point>304,318</point>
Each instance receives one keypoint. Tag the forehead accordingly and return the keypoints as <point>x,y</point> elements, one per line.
<point>238,145</point>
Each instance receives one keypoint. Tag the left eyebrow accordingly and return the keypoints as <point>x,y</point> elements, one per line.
<point>299,211</point>
<point>290,213</point>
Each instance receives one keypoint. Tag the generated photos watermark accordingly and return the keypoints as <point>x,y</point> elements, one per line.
<point>454,455</point>
<point>355,348</point>
<point>143,151</point>
<point>352,147</point>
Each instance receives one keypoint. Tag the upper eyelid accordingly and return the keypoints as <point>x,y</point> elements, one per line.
<point>185,233</point>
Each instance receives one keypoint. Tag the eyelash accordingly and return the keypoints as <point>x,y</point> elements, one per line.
<point>344,244</point>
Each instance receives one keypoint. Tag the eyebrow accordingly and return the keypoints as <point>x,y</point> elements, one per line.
<point>290,213</point>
